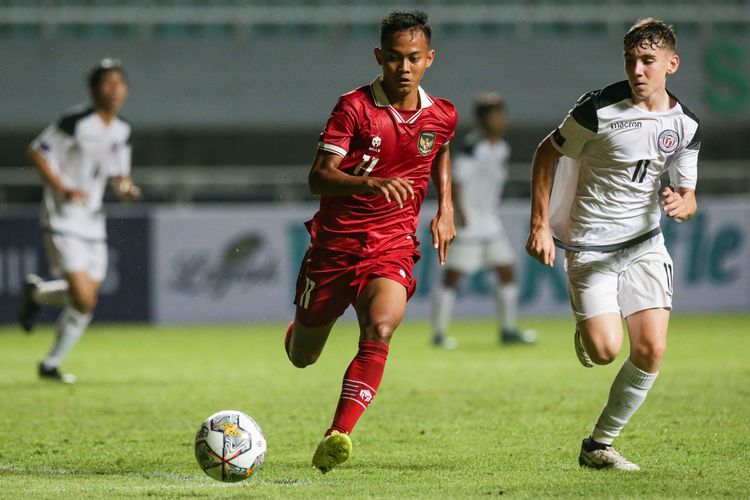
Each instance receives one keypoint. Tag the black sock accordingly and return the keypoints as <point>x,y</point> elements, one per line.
<point>591,445</point>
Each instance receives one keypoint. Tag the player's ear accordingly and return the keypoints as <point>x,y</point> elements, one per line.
<point>674,63</point>
<point>378,55</point>
<point>430,57</point>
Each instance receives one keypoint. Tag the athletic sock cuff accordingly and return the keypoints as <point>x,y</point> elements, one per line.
<point>637,377</point>
<point>373,348</point>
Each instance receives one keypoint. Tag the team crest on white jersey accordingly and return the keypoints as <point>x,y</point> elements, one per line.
<point>375,145</point>
<point>426,142</point>
<point>668,140</point>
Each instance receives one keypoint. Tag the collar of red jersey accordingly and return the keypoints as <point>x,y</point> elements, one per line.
<point>381,100</point>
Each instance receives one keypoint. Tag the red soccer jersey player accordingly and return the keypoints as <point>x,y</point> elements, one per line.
<point>382,144</point>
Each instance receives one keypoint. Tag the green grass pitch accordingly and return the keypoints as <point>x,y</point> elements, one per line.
<point>481,420</point>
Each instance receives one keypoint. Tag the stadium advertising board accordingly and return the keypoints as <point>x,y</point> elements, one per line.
<point>223,264</point>
<point>125,291</point>
<point>240,264</point>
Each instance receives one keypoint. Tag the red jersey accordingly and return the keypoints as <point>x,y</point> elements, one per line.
<point>376,139</point>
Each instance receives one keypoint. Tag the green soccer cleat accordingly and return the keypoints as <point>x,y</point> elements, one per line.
<point>333,450</point>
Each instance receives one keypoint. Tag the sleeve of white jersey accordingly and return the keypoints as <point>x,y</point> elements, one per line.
<point>570,137</point>
<point>52,144</point>
<point>683,169</point>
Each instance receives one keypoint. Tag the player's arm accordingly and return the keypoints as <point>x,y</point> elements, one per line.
<point>540,244</point>
<point>441,226</point>
<point>326,178</point>
<point>679,203</point>
<point>119,171</point>
<point>50,178</point>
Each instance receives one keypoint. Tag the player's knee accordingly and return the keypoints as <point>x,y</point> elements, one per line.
<point>379,332</point>
<point>83,303</point>
<point>604,353</point>
<point>304,359</point>
<point>650,352</point>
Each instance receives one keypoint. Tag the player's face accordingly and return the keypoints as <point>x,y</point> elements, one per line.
<point>647,68</point>
<point>404,59</point>
<point>494,121</point>
<point>111,92</point>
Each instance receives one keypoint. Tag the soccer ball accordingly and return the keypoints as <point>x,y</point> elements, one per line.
<point>230,446</point>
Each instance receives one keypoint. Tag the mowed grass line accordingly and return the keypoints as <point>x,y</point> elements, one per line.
<point>481,420</point>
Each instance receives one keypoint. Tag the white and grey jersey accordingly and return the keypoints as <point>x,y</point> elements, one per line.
<point>84,152</point>
<point>606,188</point>
<point>480,170</point>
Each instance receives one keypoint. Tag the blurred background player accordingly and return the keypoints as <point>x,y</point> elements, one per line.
<point>479,174</point>
<point>76,156</point>
<point>382,144</point>
<point>595,194</point>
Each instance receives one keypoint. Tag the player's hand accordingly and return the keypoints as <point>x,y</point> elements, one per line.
<point>541,246</point>
<point>674,205</point>
<point>126,190</point>
<point>75,196</point>
<point>393,188</point>
<point>443,233</point>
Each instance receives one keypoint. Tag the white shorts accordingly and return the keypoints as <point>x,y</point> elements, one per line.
<point>70,254</point>
<point>470,256</point>
<point>625,282</point>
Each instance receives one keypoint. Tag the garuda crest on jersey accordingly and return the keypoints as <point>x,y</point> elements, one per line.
<point>426,142</point>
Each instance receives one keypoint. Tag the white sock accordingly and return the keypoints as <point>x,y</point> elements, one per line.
<point>70,326</point>
<point>52,293</point>
<point>506,304</point>
<point>627,394</point>
<point>442,307</point>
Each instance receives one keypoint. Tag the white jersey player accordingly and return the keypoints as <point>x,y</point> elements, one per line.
<point>602,207</point>
<point>479,175</point>
<point>76,157</point>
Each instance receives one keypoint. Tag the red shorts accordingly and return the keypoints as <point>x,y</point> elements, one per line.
<point>329,281</point>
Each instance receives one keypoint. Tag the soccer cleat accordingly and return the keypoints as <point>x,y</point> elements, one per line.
<point>333,450</point>
<point>27,308</point>
<point>55,375</point>
<point>516,336</point>
<point>599,456</point>
<point>583,356</point>
<point>443,342</point>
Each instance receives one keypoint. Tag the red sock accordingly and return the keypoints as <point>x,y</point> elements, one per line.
<point>361,382</point>
<point>287,338</point>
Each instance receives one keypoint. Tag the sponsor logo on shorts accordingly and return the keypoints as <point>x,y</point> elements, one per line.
<point>402,273</point>
<point>668,140</point>
<point>426,142</point>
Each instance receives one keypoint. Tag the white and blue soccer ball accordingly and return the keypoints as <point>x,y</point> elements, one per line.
<point>230,446</point>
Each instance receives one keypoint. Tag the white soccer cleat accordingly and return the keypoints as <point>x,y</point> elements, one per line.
<point>517,336</point>
<point>443,342</point>
<point>606,458</point>
<point>583,356</point>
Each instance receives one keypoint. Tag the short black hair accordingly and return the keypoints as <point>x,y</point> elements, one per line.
<point>650,32</point>
<point>98,72</point>
<point>396,21</point>
<point>486,102</point>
